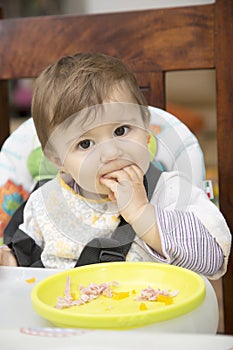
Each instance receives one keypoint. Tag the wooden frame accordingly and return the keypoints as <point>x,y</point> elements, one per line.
<point>151,42</point>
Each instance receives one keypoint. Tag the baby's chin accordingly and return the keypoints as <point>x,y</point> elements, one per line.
<point>100,191</point>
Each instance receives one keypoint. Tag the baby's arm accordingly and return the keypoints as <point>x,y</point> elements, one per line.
<point>127,189</point>
<point>191,230</point>
<point>7,258</point>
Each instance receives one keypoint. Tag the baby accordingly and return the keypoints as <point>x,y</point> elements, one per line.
<point>93,124</point>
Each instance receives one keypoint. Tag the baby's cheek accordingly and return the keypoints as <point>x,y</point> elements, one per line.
<point>142,158</point>
<point>87,173</point>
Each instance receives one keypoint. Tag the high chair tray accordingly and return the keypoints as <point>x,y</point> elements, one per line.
<point>18,317</point>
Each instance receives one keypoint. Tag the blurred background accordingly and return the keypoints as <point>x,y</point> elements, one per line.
<point>190,95</point>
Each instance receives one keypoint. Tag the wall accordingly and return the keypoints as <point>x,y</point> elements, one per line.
<point>101,6</point>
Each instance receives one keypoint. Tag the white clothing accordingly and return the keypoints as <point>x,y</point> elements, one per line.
<point>62,222</point>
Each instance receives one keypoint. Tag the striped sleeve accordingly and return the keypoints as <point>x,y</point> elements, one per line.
<point>187,243</point>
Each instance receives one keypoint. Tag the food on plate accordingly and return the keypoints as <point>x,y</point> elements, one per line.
<point>87,294</point>
<point>160,295</point>
<point>106,289</point>
<point>143,307</point>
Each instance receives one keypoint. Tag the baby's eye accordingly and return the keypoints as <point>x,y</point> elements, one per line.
<point>85,144</point>
<point>121,130</point>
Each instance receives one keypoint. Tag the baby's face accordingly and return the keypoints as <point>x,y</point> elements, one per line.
<point>109,139</point>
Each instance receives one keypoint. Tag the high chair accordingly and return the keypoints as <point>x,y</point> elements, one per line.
<point>151,42</point>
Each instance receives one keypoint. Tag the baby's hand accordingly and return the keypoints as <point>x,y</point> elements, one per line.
<point>127,188</point>
<point>6,257</point>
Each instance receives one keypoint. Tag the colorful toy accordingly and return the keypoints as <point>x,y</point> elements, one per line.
<point>11,197</point>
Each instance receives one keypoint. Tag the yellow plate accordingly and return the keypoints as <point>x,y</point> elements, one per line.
<point>107,313</point>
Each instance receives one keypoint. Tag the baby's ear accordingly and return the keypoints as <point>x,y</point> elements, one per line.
<point>146,119</point>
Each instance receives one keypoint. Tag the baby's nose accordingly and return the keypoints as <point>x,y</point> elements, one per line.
<point>110,150</point>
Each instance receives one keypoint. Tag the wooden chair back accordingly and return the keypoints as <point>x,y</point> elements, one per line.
<point>151,42</point>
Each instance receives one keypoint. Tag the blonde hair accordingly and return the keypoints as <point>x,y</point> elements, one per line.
<point>76,82</point>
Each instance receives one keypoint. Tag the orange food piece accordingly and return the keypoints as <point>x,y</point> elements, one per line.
<point>73,295</point>
<point>31,280</point>
<point>164,299</point>
<point>120,295</point>
<point>143,307</point>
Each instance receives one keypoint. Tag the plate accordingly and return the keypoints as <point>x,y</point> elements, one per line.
<point>124,313</point>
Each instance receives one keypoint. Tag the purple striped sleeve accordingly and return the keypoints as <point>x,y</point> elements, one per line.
<point>187,243</point>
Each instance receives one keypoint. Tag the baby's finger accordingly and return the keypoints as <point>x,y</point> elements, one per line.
<point>110,183</point>
<point>119,175</point>
<point>138,171</point>
<point>134,173</point>
<point>111,196</point>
